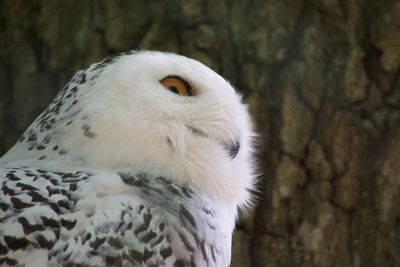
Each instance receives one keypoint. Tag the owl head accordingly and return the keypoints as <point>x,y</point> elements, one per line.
<point>151,112</point>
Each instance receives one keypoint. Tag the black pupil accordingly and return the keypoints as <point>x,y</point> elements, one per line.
<point>173,89</point>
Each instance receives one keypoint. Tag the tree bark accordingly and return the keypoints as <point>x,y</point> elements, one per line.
<point>322,79</point>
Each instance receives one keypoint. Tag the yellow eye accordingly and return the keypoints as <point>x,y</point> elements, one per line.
<point>177,85</point>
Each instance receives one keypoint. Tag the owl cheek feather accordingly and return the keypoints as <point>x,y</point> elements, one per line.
<point>174,134</point>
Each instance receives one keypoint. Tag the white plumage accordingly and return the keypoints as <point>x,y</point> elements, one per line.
<point>124,169</point>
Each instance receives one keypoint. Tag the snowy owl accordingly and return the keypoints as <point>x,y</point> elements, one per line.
<point>141,160</point>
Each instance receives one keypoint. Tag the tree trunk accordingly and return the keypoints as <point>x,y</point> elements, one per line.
<point>322,79</point>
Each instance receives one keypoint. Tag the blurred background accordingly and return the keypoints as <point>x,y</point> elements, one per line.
<point>322,78</point>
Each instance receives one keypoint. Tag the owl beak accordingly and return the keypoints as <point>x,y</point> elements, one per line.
<point>233,149</point>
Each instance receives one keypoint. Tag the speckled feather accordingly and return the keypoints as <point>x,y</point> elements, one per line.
<point>63,111</point>
<point>74,219</point>
<point>118,171</point>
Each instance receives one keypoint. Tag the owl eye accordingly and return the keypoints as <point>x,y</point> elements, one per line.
<point>177,85</point>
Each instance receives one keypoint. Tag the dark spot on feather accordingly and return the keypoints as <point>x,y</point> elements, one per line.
<point>140,229</point>
<point>196,238</point>
<point>86,238</point>
<point>141,207</point>
<point>12,177</point>
<point>46,176</point>
<point>147,254</point>
<point>43,242</point>
<point>118,227</point>
<point>62,152</point>
<point>166,252</point>
<point>83,78</point>
<point>161,226</point>
<point>146,221</point>
<point>114,242</point>
<point>73,187</point>
<point>3,206</point>
<point>52,191</point>
<point>208,211</point>
<point>186,242</point>
<point>3,249</point>
<point>180,263</point>
<point>36,197</point>
<point>40,147</point>
<point>87,132</point>
<point>65,193</point>
<point>49,222</point>
<point>68,224</point>
<point>173,190</point>
<point>113,261</point>
<point>8,191</point>
<point>136,182</point>
<point>213,254</point>
<point>93,253</point>
<point>67,175</point>
<point>188,193</point>
<point>203,250</point>
<point>42,158</point>
<point>19,204</point>
<point>164,180</point>
<point>123,212</point>
<point>127,257</point>
<point>32,137</point>
<point>149,236</point>
<point>27,227</point>
<point>147,218</point>
<point>211,226</point>
<point>46,139</point>
<point>56,232</point>
<point>136,255</point>
<point>186,214</point>
<point>26,186</point>
<point>97,242</point>
<point>8,261</point>
<point>16,243</point>
<point>55,207</point>
<point>56,147</point>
